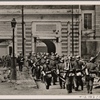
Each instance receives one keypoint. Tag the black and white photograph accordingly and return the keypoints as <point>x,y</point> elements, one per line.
<point>50,49</point>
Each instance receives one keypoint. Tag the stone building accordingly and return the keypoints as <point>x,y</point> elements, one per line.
<point>48,28</point>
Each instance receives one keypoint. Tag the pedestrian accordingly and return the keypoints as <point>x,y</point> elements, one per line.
<point>20,61</point>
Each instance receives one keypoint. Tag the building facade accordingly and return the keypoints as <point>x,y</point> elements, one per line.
<point>51,28</point>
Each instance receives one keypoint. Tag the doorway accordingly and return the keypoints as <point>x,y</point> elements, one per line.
<point>49,46</point>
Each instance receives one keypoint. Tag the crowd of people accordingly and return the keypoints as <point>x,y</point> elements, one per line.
<point>5,61</point>
<point>69,71</point>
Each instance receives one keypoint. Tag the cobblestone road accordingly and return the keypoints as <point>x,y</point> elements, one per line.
<point>9,89</point>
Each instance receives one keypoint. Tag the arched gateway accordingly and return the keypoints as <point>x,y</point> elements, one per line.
<point>48,47</point>
<point>46,37</point>
<point>49,44</point>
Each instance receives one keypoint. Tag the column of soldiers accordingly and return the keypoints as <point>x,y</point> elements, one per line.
<point>68,70</point>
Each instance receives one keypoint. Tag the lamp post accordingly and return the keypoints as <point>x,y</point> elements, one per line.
<point>13,76</point>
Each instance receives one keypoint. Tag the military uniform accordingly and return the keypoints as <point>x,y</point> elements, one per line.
<point>53,66</point>
<point>42,63</point>
<point>37,68</point>
<point>47,72</point>
<point>91,72</point>
<point>70,75</point>
<point>61,73</point>
<point>29,60</point>
<point>78,74</point>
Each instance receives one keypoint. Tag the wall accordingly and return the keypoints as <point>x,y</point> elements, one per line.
<point>30,18</point>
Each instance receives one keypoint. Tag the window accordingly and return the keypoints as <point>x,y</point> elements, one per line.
<point>88,21</point>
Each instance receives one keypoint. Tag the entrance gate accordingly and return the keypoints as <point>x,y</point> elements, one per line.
<point>48,33</point>
<point>48,47</point>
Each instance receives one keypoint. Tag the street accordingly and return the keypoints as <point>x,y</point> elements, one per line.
<point>11,89</point>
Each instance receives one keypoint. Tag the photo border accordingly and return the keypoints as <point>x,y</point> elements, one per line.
<point>48,2</point>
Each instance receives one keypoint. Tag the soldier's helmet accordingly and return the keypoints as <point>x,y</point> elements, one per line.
<point>47,61</point>
<point>47,54</point>
<point>45,57</point>
<point>78,57</point>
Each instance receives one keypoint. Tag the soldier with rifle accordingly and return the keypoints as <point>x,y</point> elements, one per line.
<point>79,68</point>
<point>61,73</point>
<point>54,68</point>
<point>47,72</point>
<point>91,72</point>
<point>70,74</point>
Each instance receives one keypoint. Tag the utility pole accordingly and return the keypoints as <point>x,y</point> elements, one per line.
<point>72,34</point>
<point>23,31</point>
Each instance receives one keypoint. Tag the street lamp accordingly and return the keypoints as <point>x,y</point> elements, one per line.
<point>13,76</point>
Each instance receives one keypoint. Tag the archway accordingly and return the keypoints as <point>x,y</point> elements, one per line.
<point>50,45</point>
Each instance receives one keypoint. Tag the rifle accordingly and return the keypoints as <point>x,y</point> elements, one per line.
<point>95,57</point>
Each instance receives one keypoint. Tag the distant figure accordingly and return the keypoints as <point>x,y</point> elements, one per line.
<point>20,61</point>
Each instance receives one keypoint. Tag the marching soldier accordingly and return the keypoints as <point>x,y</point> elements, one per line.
<point>91,72</point>
<point>47,72</point>
<point>42,63</point>
<point>61,73</point>
<point>70,74</point>
<point>28,59</point>
<point>53,65</point>
<point>37,67</point>
<point>78,65</point>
